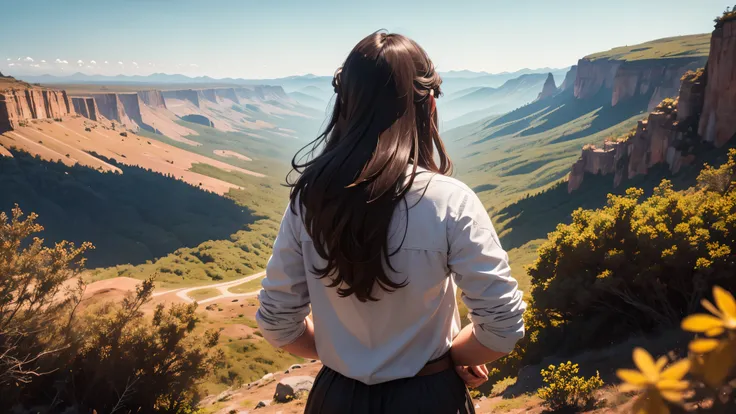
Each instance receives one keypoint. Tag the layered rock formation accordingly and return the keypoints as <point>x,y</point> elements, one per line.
<point>86,107</point>
<point>570,77</point>
<point>18,105</point>
<point>549,89</point>
<point>227,93</point>
<point>718,122</point>
<point>704,111</point>
<point>659,78</point>
<point>111,107</point>
<point>190,95</point>
<point>153,98</point>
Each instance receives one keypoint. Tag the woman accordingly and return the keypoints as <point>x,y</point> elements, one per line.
<point>377,238</point>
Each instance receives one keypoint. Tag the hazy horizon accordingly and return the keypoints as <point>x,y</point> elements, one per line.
<point>231,39</point>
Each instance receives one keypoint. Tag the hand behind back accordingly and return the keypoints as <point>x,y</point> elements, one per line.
<point>473,376</point>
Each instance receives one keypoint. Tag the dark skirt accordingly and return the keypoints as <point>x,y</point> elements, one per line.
<point>441,393</point>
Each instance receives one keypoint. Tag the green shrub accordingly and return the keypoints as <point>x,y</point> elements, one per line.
<point>565,389</point>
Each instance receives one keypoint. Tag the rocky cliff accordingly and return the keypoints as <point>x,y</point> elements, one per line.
<point>657,78</point>
<point>190,95</point>
<point>207,95</point>
<point>549,89</point>
<point>227,93</point>
<point>86,107</point>
<point>121,107</point>
<point>18,105</point>
<point>570,77</point>
<point>702,112</point>
<point>153,98</point>
<point>718,122</point>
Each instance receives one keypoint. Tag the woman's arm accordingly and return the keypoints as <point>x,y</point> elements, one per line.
<point>304,346</point>
<point>467,349</point>
<point>284,298</point>
<point>481,271</point>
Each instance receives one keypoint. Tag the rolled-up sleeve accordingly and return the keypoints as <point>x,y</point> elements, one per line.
<point>284,297</point>
<point>481,270</point>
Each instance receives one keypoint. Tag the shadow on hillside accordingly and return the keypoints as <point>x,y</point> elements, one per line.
<point>130,218</point>
<point>563,108</point>
<point>534,217</point>
<point>605,118</point>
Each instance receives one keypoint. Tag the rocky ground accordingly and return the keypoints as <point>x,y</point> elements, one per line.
<point>285,392</point>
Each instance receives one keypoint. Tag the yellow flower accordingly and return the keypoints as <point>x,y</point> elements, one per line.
<point>658,383</point>
<point>723,318</point>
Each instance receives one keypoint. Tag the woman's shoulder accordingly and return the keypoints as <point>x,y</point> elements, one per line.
<point>444,192</point>
<point>441,185</point>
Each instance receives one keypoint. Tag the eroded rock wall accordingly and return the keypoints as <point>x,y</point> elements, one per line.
<point>718,121</point>
<point>18,105</point>
<point>152,98</point>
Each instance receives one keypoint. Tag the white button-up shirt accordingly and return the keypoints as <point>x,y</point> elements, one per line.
<point>450,243</point>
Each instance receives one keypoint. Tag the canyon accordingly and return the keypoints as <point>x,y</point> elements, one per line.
<point>700,111</point>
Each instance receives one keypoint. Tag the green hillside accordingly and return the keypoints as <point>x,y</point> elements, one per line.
<point>670,47</point>
<point>529,149</point>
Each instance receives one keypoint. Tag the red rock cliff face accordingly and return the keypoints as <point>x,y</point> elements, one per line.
<point>667,136</point>
<point>132,107</point>
<point>154,99</point>
<point>718,121</point>
<point>592,76</point>
<point>86,107</point>
<point>659,78</point>
<point>111,107</point>
<point>17,105</point>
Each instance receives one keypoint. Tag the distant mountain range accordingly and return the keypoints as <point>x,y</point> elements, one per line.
<point>466,78</point>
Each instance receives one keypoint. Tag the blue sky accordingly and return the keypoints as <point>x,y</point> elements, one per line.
<point>273,38</point>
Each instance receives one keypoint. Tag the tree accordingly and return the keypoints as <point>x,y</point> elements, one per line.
<point>109,357</point>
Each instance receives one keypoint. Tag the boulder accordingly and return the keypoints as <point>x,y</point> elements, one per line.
<point>289,388</point>
<point>267,377</point>
<point>263,403</point>
<point>295,366</point>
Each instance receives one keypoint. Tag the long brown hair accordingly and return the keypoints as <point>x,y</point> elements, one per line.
<point>384,119</point>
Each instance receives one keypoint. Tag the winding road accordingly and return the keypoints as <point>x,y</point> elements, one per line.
<point>183,293</point>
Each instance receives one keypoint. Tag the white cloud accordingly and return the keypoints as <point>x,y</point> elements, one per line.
<point>28,59</point>
<point>65,62</point>
<point>107,63</point>
<point>43,61</point>
<point>8,59</point>
<point>135,64</point>
<point>120,63</point>
<point>93,62</point>
<point>194,65</point>
<point>90,67</point>
<point>12,64</point>
<point>35,65</point>
<point>80,63</point>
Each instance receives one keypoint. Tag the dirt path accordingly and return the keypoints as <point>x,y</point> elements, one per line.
<point>183,293</point>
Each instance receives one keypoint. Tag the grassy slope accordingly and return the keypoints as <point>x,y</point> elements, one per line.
<point>247,287</point>
<point>244,252</point>
<point>670,47</point>
<point>533,147</point>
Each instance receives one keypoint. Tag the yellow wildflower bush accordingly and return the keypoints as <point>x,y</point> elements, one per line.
<point>711,365</point>
<point>565,389</point>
